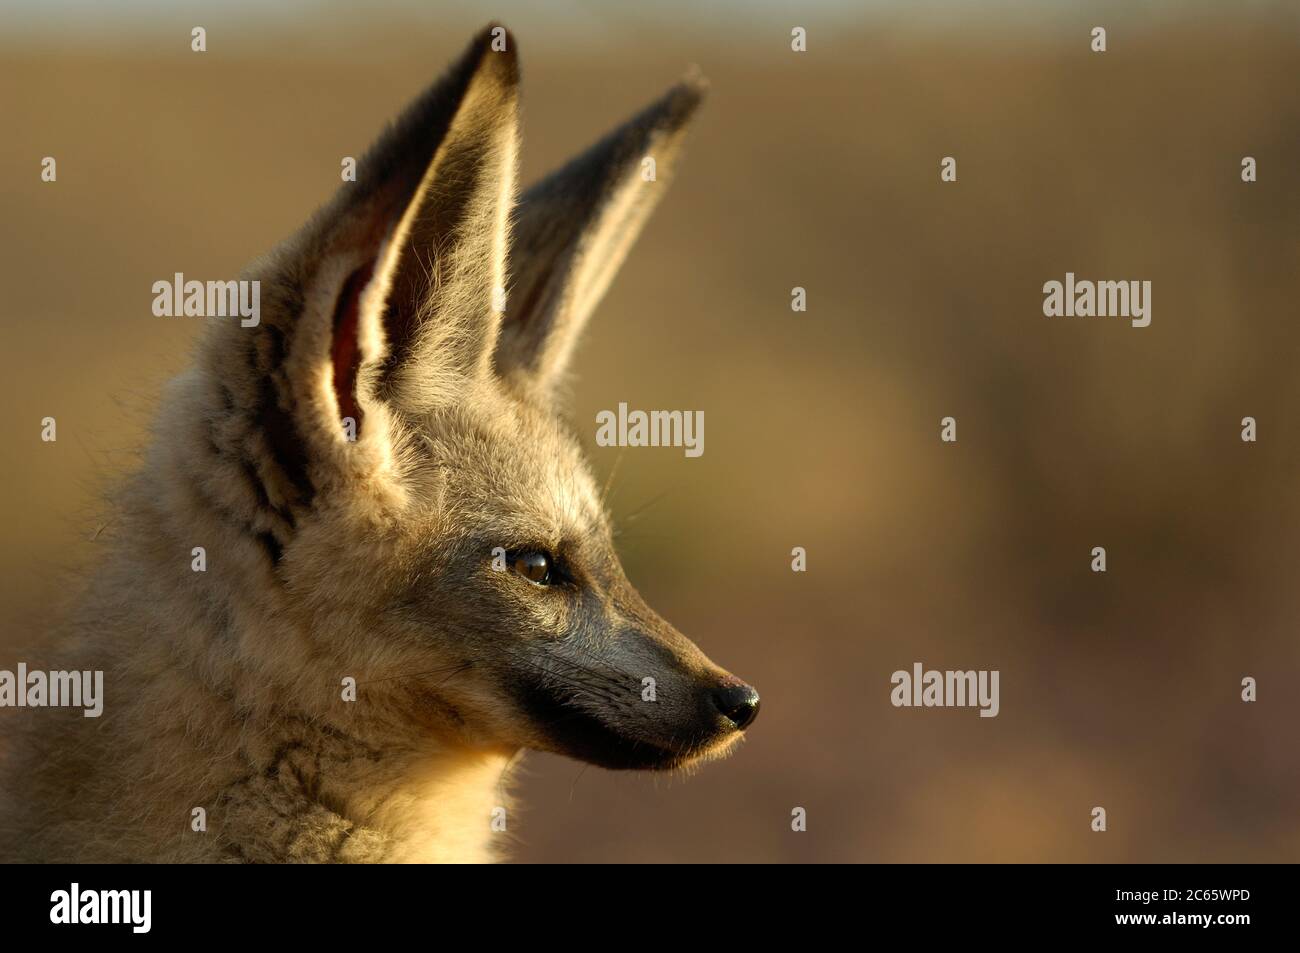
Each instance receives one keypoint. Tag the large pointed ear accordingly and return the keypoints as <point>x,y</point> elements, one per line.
<point>427,230</point>
<point>445,265</point>
<point>573,230</point>
<point>382,306</point>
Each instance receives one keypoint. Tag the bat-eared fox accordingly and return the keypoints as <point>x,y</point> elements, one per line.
<point>363,564</point>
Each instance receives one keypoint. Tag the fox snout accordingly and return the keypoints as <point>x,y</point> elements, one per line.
<point>645,699</point>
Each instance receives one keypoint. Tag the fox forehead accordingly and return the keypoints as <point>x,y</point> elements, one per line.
<point>512,473</point>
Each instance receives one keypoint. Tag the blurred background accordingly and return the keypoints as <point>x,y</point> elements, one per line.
<point>818,170</point>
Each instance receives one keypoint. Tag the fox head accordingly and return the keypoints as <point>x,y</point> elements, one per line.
<point>411,509</point>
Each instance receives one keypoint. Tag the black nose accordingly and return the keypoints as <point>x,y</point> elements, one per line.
<point>739,702</point>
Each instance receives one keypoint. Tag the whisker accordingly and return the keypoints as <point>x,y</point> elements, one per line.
<point>597,689</point>
<point>611,684</point>
<point>609,480</point>
<point>658,498</point>
<point>574,786</point>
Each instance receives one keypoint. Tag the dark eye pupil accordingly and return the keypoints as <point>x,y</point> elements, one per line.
<point>533,566</point>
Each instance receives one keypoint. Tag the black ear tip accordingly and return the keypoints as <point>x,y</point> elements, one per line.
<point>695,81</point>
<point>497,32</point>
<point>496,41</point>
<point>679,104</point>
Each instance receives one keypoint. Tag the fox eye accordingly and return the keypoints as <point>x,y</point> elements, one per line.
<point>534,566</point>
